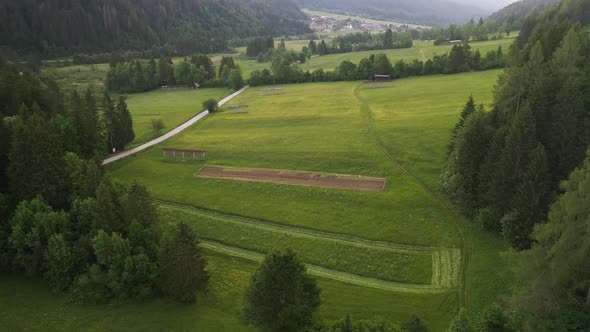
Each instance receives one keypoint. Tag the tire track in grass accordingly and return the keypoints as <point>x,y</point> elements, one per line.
<point>299,231</point>
<point>327,273</point>
<point>465,241</point>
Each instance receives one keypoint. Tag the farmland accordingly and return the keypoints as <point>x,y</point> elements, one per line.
<point>390,253</point>
<point>368,241</point>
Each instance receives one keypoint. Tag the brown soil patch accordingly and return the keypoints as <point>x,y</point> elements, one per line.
<point>300,178</point>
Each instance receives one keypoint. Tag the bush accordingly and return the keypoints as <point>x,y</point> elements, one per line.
<point>210,105</point>
<point>157,126</point>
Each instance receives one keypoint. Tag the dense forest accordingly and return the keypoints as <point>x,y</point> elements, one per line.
<point>430,12</point>
<point>506,167</point>
<point>514,15</point>
<point>183,26</point>
<point>537,132</point>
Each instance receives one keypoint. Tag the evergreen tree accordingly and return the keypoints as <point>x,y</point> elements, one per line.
<point>110,215</point>
<point>553,280</point>
<point>414,324</point>
<point>141,206</point>
<point>37,165</point>
<point>388,39</point>
<point>382,65</point>
<point>182,266</point>
<point>126,134</point>
<point>281,296</point>
<point>313,48</point>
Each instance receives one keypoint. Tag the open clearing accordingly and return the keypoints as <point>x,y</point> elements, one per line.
<point>300,178</point>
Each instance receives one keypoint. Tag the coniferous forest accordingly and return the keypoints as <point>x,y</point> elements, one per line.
<point>57,28</point>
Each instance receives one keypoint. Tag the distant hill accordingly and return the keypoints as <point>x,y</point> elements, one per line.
<point>65,26</point>
<point>513,15</point>
<point>429,12</point>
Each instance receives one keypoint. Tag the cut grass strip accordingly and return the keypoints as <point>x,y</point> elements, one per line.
<point>329,273</point>
<point>300,231</point>
<point>361,259</point>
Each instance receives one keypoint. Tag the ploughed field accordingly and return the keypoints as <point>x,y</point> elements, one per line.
<point>300,178</point>
<point>391,253</point>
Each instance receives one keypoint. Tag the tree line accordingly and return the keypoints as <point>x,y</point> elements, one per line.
<point>134,75</point>
<point>506,168</point>
<point>460,59</point>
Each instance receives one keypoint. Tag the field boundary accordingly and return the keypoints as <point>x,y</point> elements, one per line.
<point>172,132</point>
<point>328,273</point>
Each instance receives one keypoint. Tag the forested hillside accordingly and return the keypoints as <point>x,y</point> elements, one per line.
<point>55,27</point>
<point>513,16</point>
<point>413,11</point>
<point>505,166</point>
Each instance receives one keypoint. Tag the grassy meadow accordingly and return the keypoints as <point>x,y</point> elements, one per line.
<point>398,130</point>
<point>402,236</point>
<point>173,106</point>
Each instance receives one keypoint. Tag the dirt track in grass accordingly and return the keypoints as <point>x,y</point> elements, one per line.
<point>299,178</point>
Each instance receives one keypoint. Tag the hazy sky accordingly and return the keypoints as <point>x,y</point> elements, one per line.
<point>487,4</point>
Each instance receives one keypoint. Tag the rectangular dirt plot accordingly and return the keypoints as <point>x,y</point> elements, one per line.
<point>298,178</point>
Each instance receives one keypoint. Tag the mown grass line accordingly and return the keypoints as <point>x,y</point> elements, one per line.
<point>327,273</point>
<point>300,231</point>
<point>465,241</point>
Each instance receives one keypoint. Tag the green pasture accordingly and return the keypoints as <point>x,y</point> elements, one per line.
<point>397,130</point>
<point>413,116</point>
<point>173,106</point>
<point>341,128</point>
<point>391,264</point>
<point>422,50</point>
<point>28,304</point>
<point>314,127</point>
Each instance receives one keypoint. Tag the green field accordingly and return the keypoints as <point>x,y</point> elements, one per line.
<point>390,254</point>
<point>397,130</point>
<point>173,106</point>
<point>422,50</point>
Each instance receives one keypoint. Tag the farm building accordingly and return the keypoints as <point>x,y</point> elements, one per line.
<point>382,78</point>
<point>183,154</point>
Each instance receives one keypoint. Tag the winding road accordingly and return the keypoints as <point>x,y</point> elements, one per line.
<point>172,132</point>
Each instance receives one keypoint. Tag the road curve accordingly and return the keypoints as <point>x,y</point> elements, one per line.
<point>172,132</point>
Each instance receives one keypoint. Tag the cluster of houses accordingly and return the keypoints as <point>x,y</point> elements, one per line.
<point>325,24</point>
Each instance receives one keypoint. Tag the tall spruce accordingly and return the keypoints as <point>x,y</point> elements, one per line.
<point>37,165</point>
<point>182,265</point>
<point>281,295</point>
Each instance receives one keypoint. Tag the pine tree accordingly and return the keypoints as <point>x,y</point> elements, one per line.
<point>141,206</point>
<point>388,39</point>
<point>468,109</point>
<point>182,266</point>
<point>37,165</point>
<point>126,135</point>
<point>281,296</point>
<point>529,200</point>
<point>110,216</point>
